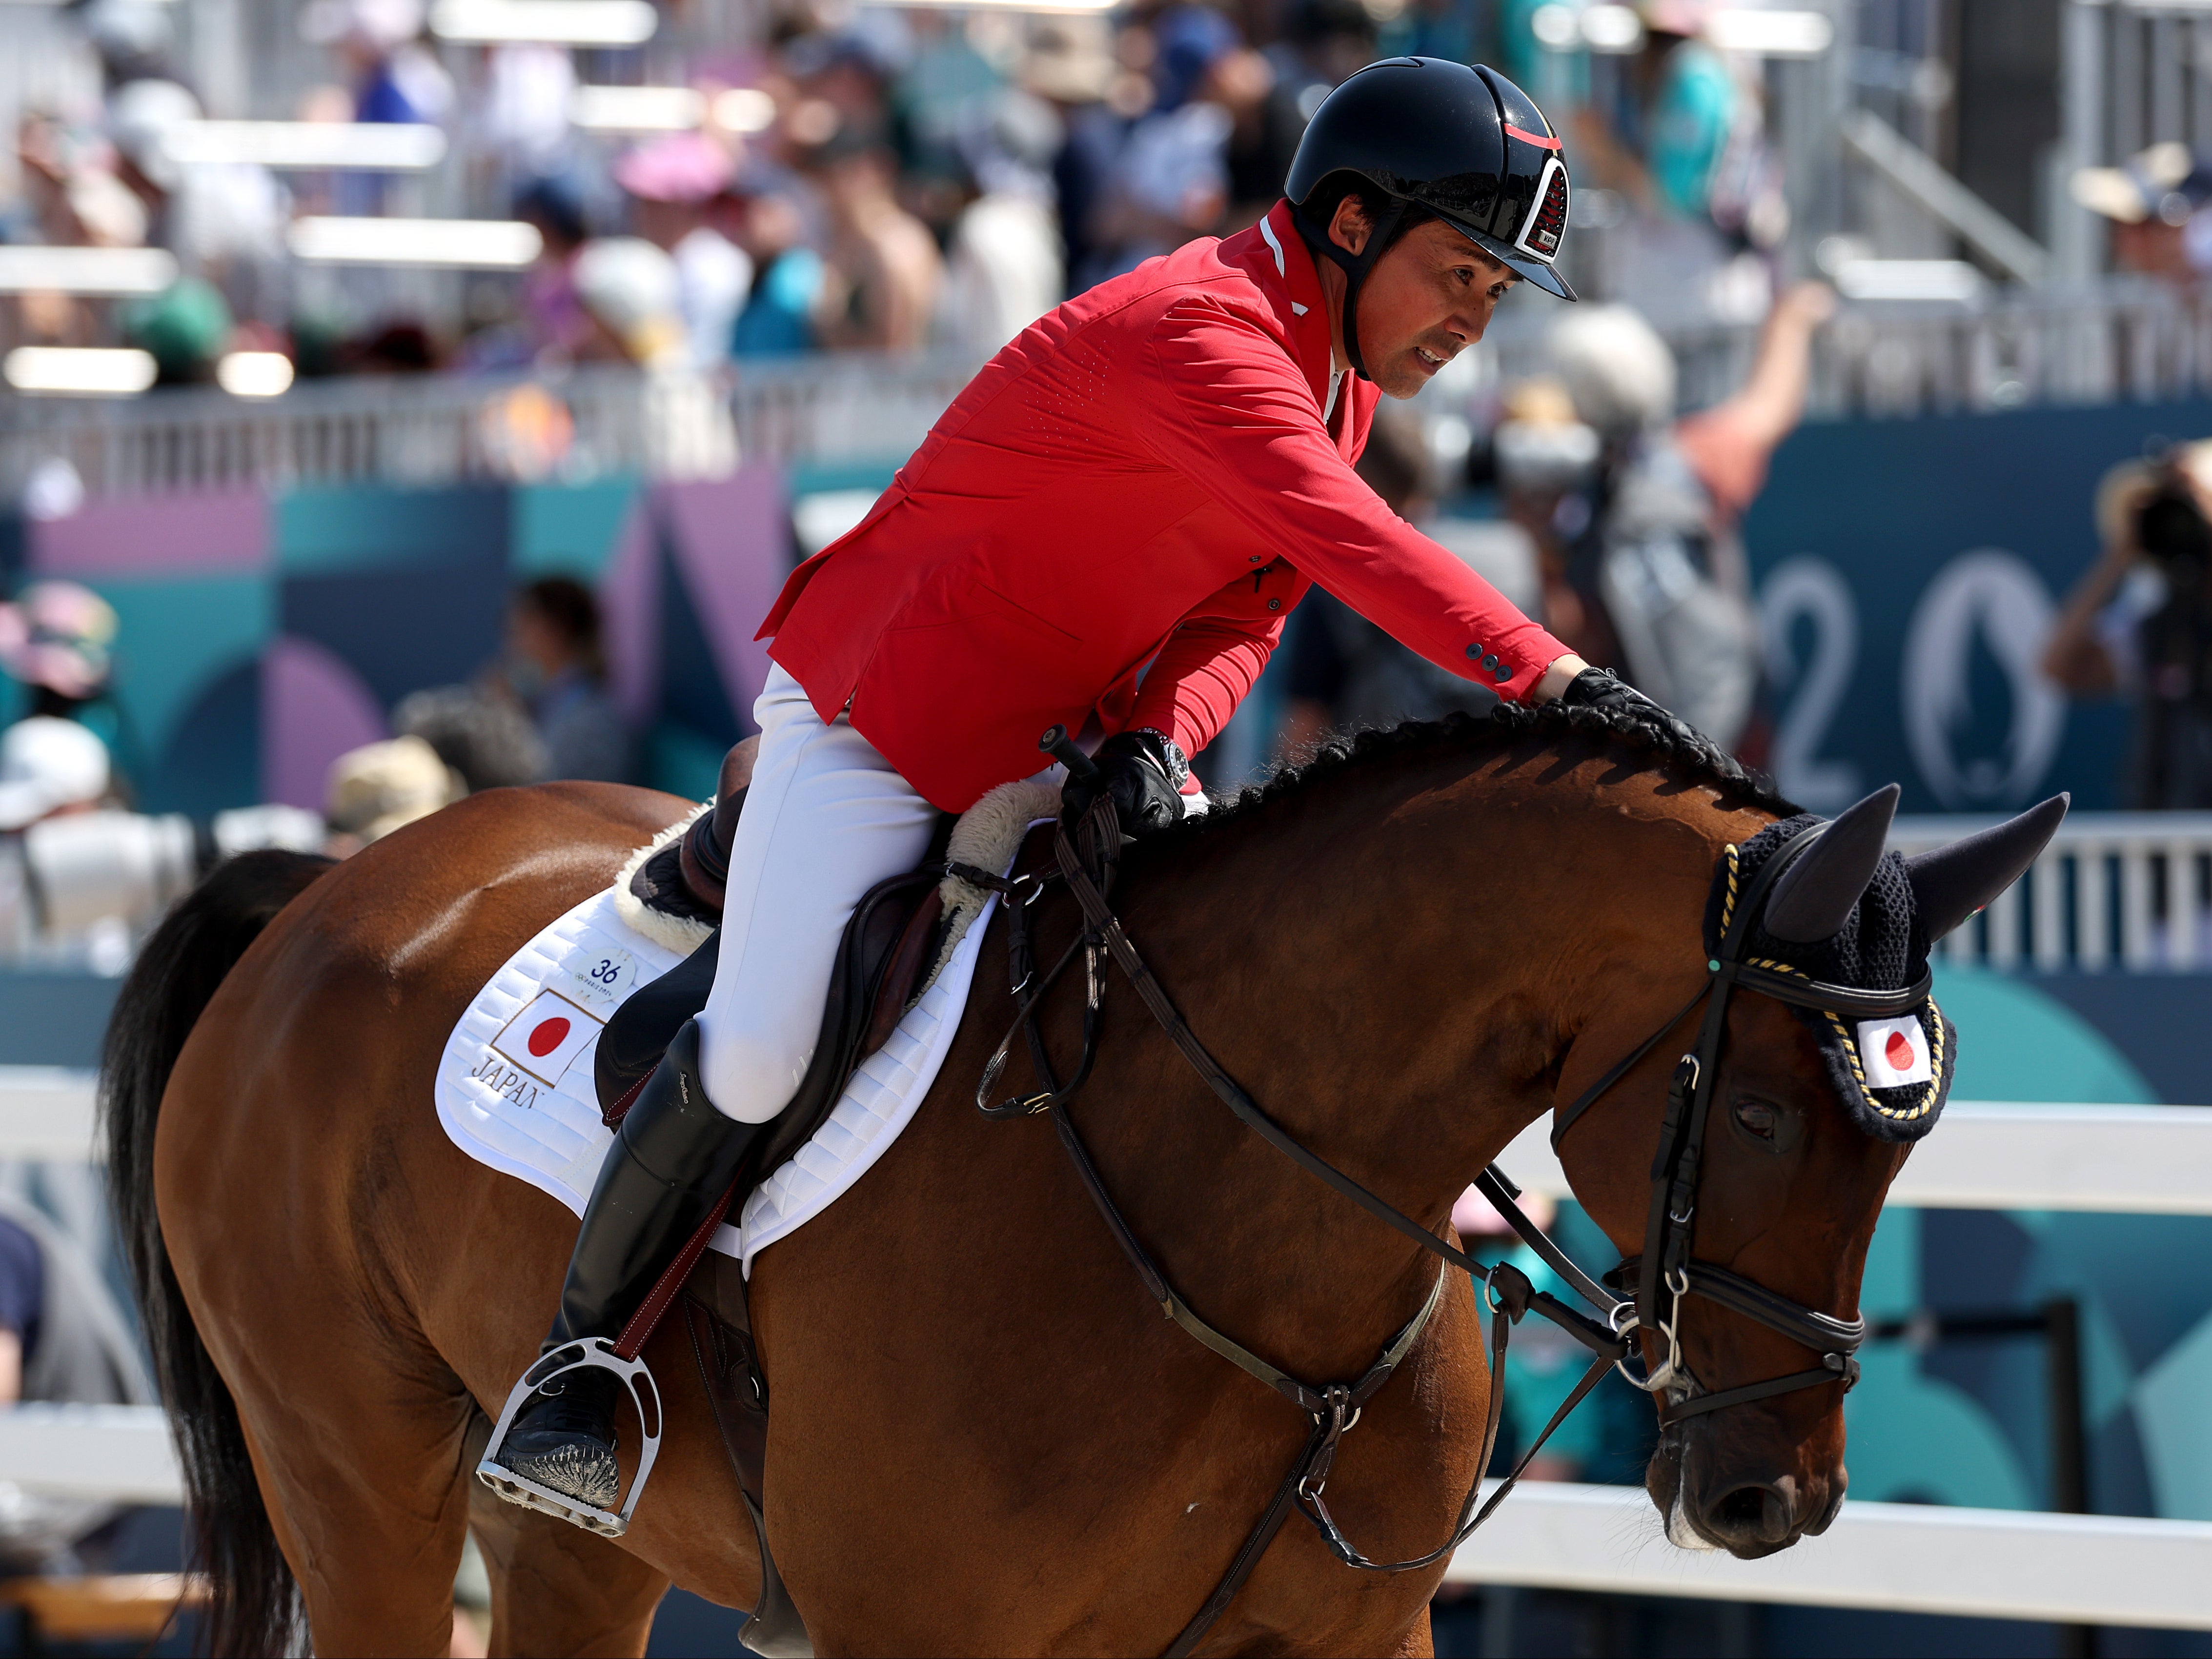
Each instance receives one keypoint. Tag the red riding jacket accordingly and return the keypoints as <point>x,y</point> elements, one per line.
<point>1138,488</point>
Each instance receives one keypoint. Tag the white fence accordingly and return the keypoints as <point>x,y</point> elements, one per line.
<point>422,430</point>
<point>1898,1557</point>
<point>2069,1569</point>
<point>2133,1160</point>
<point>2115,343</point>
<point>2113,889</point>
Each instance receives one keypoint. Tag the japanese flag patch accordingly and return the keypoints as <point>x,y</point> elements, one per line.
<point>548,1033</point>
<point>1894,1051</point>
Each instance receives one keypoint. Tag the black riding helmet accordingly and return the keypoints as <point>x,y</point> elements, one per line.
<point>1465,145</point>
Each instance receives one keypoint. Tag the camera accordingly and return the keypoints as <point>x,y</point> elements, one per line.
<point>2170,526</point>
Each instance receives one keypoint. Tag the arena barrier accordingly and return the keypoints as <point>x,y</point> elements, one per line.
<point>2120,343</point>
<point>2118,1160</point>
<point>1901,1557</point>
<point>2121,1160</point>
<point>2113,889</point>
<point>1895,1558</point>
<point>2067,1569</point>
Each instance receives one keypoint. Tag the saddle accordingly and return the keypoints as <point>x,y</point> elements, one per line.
<point>887,947</point>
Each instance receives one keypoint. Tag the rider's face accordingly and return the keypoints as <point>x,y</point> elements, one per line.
<point>1426,301</point>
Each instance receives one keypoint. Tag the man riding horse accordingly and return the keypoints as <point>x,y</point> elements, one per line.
<point>1112,523</point>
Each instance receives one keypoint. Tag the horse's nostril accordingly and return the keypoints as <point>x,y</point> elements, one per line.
<point>1750,1512</point>
<point>1744,1508</point>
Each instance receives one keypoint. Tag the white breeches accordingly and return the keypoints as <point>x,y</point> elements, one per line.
<point>825,819</point>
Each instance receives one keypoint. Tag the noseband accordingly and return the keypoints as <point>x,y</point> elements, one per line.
<point>1665,1273</point>
<point>1664,1268</point>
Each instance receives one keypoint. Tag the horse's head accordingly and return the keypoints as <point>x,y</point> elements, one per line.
<point>1783,1105</point>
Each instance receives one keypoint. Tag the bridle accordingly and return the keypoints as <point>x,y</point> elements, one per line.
<point>1665,1265</point>
<point>1664,1273</point>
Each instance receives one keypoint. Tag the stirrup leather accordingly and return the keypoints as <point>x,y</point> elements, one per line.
<point>586,1353</point>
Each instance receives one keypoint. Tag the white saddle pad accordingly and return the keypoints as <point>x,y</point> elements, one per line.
<point>514,1087</point>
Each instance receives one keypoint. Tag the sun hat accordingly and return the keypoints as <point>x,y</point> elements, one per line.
<point>381,786</point>
<point>45,764</point>
<point>683,166</point>
<point>59,635</point>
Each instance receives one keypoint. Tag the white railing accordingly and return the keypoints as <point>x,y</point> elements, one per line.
<point>2069,1569</point>
<point>2138,1160</point>
<point>2121,341</point>
<point>1905,1558</point>
<point>2114,891</point>
<point>1991,1155</point>
<point>423,430</point>
<point>2118,343</point>
<point>1898,1558</point>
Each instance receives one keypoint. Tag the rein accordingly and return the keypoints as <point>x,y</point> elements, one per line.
<point>1664,1264</point>
<point>1334,1408</point>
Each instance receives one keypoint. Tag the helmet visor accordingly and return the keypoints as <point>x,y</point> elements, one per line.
<point>1519,264</point>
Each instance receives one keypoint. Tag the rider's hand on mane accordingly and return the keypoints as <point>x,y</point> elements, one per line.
<point>1599,688</point>
<point>1144,772</point>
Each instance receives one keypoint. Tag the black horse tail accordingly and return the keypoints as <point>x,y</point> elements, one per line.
<point>255,1603</point>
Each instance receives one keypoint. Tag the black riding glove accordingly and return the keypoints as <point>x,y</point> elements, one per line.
<point>1143,771</point>
<point>1599,688</point>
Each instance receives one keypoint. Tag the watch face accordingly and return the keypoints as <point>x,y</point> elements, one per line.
<point>1176,764</point>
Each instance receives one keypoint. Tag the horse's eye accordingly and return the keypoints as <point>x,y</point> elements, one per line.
<point>1757,1116</point>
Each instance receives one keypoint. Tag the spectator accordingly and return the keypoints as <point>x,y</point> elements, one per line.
<point>1543,1362</point>
<point>1659,569</point>
<point>392,77</point>
<point>554,325</point>
<point>880,289</point>
<point>57,639</point>
<point>1072,65</point>
<point>185,328</point>
<point>1684,140</point>
<point>62,1340</point>
<point>634,296</point>
<point>382,786</point>
<point>2155,207</point>
<point>1003,269</point>
<point>2140,623</point>
<point>1326,41</point>
<point>213,218</point>
<point>789,277</point>
<point>1544,460</point>
<point>1171,181</point>
<point>482,733</point>
<point>671,182</point>
<point>555,666</point>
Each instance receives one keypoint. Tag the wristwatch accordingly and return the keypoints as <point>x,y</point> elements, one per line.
<point>1172,761</point>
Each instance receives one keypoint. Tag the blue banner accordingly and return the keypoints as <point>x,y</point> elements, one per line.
<point>1908,574</point>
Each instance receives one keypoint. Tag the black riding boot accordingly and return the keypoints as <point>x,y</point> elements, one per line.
<point>673,1161</point>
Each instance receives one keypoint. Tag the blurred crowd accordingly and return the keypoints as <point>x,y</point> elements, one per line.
<point>83,873</point>
<point>877,177</point>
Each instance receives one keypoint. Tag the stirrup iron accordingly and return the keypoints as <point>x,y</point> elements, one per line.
<point>586,1353</point>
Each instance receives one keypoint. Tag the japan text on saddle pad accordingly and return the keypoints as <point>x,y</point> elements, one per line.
<point>514,1087</point>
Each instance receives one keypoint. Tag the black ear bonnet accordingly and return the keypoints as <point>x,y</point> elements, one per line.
<point>1881,946</point>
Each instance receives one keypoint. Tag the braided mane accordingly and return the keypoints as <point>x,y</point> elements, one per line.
<point>1695,757</point>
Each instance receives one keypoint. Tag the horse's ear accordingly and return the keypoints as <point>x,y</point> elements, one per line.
<point>1814,899</point>
<point>1952,883</point>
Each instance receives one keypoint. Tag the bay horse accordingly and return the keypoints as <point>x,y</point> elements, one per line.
<point>984,1439</point>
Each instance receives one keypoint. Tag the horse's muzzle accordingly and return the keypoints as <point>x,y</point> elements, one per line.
<point>1718,1497</point>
